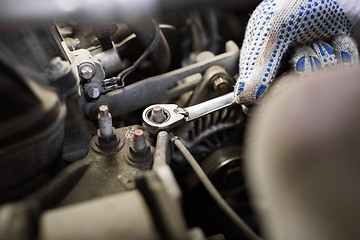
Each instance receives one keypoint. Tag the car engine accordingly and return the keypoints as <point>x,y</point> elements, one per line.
<point>118,121</point>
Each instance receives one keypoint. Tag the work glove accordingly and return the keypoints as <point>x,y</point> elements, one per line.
<point>318,30</point>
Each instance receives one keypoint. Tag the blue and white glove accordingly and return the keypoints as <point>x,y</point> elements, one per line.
<point>319,29</point>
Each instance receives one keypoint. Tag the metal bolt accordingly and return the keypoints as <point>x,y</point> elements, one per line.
<point>93,93</point>
<point>56,64</point>
<point>76,43</point>
<point>139,140</point>
<point>220,84</point>
<point>60,70</point>
<point>139,154</point>
<point>158,115</point>
<point>105,121</point>
<point>86,72</point>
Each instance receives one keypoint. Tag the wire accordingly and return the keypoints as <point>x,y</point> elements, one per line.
<point>249,233</point>
<point>113,83</point>
<point>122,75</point>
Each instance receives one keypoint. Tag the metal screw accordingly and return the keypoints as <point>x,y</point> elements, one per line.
<point>139,154</point>
<point>139,140</point>
<point>56,64</point>
<point>220,84</point>
<point>93,92</point>
<point>86,72</point>
<point>158,115</point>
<point>105,121</point>
<point>76,43</point>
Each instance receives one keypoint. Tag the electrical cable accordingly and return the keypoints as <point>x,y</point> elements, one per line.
<point>248,232</point>
<point>113,83</point>
<point>122,75</point>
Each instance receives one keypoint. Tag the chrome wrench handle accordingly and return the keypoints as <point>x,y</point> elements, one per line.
<point>176,116</point>
<point>202,109</point>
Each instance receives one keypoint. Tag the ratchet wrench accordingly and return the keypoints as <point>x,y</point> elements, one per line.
<point>173,116</point>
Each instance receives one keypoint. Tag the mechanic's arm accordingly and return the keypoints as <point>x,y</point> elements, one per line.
<point>276,25</point>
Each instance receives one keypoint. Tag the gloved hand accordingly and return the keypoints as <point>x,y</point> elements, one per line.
<point>276,25</point>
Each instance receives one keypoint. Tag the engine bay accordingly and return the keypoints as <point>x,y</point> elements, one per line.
<point>101,120</point>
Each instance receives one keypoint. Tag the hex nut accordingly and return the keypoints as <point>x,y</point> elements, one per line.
<point>93,92</point>
<point>86,71</point>
<point>158,115</point>
<point>220,84</point>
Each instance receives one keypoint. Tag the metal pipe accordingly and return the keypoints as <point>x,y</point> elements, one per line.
<point>162,150</point>
<point>157,89</point>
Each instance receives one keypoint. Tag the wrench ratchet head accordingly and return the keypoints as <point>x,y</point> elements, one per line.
<point>172,118</point>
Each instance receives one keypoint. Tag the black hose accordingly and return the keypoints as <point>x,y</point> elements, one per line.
<point>213,28</point>
<point>248,232</point>
<point>199,38</point>
<point>146,31</point>
<point>150,49</point>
